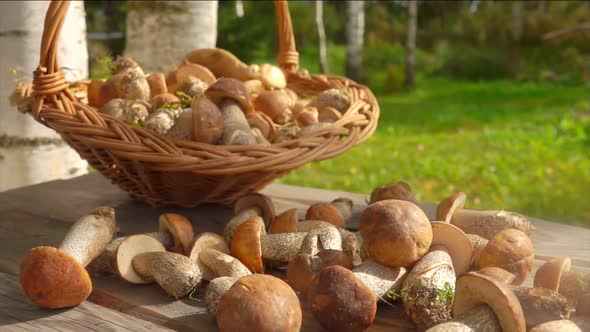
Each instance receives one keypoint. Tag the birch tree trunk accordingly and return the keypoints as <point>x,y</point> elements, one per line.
<point>411,43</point>
<point>30,152</point>
<point>355,30</point>
<point>161,33</point>
<point>319,21</point>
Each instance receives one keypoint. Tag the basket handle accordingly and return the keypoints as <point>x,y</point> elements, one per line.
<point>49,81</point>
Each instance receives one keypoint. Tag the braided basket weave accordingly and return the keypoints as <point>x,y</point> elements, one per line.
<point>163,171</point>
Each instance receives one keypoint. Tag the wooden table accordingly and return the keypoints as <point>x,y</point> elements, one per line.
<point>41,214</point>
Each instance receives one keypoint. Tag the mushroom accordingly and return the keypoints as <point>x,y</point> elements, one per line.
<point>127,82</point>
<point>285,222</point>
<point>157,84</point>
<point>303,267</point>
<point>399,190</point>
<point>583,307</point>
<point>382,280</point>
<point>182,129</point>
<point>119,253</point>
<point>539,305</point>
<point>250,246</point>
<point>479,244</point>
<point>396,233</point>
<point>338,212</point>
<point>335,98</point>
<point>165,99</point>
<point>55,277</point>
<point>483,304</point>
<point>163,119</point>
<point>255,87</point>
<point>224,64</point>
<point>307,117</point>
<point>262,122</point>
<point>204,241</point>
<point>275,104</point>
<point>429,286</point>
<point>351,241</point>
<point>231,96</point>
<point>217,287</point>
<point>510,250</point>
<point>221,264</point>
<point>329,114</point>
<point>287,132</point>
<point>175,273</point>
<point>94,92</point>
<point>558,276</point>
<point>175,234</point>
<point>186,74</point>
<point>207,119</point>
<point>260,303</point>
<point>561,325</point>
<point>128,111</point>
<point>247,206</point>
<point>340,301</point>
<point>484,223</point>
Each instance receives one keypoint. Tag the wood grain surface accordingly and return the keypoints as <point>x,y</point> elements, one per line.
<point>41,214</point>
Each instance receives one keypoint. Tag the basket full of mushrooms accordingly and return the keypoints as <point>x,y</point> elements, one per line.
<point>208,131</point>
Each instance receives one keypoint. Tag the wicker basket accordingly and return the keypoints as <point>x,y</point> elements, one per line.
<point>162,171</point>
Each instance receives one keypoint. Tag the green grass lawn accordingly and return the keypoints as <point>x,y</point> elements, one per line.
<point>508,145</point>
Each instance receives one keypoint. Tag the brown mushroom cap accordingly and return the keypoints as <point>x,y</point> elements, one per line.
<point>456,243</point>
<point>275,104</point>
<point>512,251</point>
<point>583,306</point>
<point>329,114</point>
<point>285,222</point>
<point>263,123</point>
<point>498,274</point>
<point>340,301</point>
<point>208,121</point>
<point>446,208</point>
<point>307,117</point>
<point>94,92</point>
<point>53,279</point>
<point>259,303</point>
<point>160,100</point>
<point>549,274</point>
<point>396,233</point>
<point>399,190</point>
<point>188,70</point>
<point>181,230</point>
<point>229,88</point>
<point>157,83</point>
<point>246,245</point>
<point>258,200</point>
<point>473,289</point>
<point>326,212</point>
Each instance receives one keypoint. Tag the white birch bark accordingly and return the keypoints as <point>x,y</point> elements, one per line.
<point>30,152</point>
<point>355,30</point>
<point>161,33</point>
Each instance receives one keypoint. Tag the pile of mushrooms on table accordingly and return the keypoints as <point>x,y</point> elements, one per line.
<point>212,97</point>
<point>463,272</point>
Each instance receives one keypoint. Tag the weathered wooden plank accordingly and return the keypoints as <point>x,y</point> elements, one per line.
<point>17,313</point>
<point>40,215</point>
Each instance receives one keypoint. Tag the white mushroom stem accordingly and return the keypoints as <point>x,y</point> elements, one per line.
<point>88,236</point>
<point>351,241</point>
<point>281,247</point>
<point>175,273</point>
<point>236,131</point>
<point>488,223</point>
<point>380,279</point>
<point>478,243</point>
<point>238,219</point>
<point>562,325</point>
<point>479,319</point>
<point>217,287</point>
<point>432,276</point>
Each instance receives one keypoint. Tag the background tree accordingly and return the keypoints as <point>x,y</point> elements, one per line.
<point>355,30</point>
<point>319,21</point>
<point>161,33</point>
<point>411,43</point>
<point>30,152</point>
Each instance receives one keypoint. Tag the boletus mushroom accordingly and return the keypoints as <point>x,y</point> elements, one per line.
<point>399,190</point>
<point>428,288</point>
<point>303,267</point>
<point>232,98</point>
<point>483,304</point>
<point>204,241</point>
<point>208,125</point>
<point>484,223</point>
<point>337,212</point>
<point>340,301</point>
<point>261,303</point>
<point>275,104</point>
<point>127,82</point>
<point>557,275</point>
<point>395,233</point>
<point>56,277</point>
<point>247,206</point>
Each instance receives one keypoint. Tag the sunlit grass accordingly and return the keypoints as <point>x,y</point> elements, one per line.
<point>517,146</point>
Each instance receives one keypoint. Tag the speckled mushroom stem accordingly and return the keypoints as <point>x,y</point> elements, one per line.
<point>541,305</point>
<point>422,288</point>
<point>478,243</point>
<point>217,287</point>
<point>282,246</point>
<point>238,219</point>
<point>175,273</point>
<point>488,223</point>
<point>380,279</point>
<point>89,236</point>
<point>479,319</point>
<point>237,131</point>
